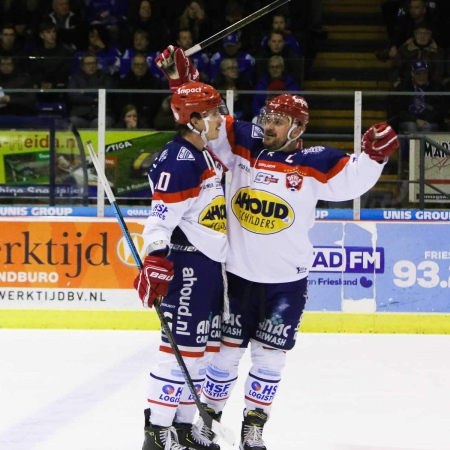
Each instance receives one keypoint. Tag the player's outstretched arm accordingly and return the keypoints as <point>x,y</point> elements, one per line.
<point>177,67</point>
<point>379,142</point>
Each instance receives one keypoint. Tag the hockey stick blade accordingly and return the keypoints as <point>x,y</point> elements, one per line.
<point>225,433</point>
<point>235,26</point>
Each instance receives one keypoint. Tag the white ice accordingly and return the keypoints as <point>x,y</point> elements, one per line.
<point>85,390</point>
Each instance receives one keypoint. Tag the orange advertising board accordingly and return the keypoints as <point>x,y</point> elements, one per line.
<point>67,254</point>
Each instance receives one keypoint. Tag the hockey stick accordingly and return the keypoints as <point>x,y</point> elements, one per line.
<point>236,26</point>
<point>212,424</point>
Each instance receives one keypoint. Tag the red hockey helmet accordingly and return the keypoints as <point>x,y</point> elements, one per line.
<point>290,105</point>
<point>194,97</point>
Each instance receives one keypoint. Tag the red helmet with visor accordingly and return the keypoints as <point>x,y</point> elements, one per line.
<point>293,106</point>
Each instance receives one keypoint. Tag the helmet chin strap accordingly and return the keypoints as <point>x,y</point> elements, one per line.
<point>290,139</point>
<point>201,133</point>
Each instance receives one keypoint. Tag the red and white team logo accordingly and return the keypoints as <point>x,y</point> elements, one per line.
<point>294,181</point>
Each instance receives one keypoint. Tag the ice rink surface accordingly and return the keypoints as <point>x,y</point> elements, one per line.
<point>85,390</point>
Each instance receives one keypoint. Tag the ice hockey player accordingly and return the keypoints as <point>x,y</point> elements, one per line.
<point>271,201</point>
<point>186,245</point>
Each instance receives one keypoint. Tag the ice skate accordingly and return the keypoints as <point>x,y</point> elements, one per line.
<point>204,430</point>
<point>252,429</point>
<point>160,438</point>
<point>193,437</point>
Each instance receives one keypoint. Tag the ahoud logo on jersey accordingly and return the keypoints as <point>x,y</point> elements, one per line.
<point>124,252</point>
<point>214,215</point>
<point>261,212</point>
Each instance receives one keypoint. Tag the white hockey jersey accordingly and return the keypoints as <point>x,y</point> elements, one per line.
<point>272,199</point>
<point>187,192</point>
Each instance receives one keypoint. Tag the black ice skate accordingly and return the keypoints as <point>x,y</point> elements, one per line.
<point>252,429</point>
<point>160,438</point>
<point>204,430</point>
<point>193,437</point>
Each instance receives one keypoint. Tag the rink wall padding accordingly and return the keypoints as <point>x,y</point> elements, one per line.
<point>312,322</point>
<point>366,277</point>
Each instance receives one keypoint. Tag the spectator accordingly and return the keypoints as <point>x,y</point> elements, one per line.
<point>420,47</point>
<point>155,27</point>
<point>108,56</point>
<point>391,10</point>
<point>110,14</point>
<point>229,79</point>
<point>69,26</point>
<point>51,60</point>
<point>84,110</point>
<point>274,80</point>
<point>141,46</point>
<point>277,47</point>
<point>420,112</point>
<point>231,12</point>
<point>279,24</point>
<point>10,47</point>
<point>200,59</point>
<point>417,14</point>
<point>130,119</point>
<point>15,103</point>
<point>194,18</point>
<point>232,49</point>
<point>164,118</point>
<point>229,73</point>
<point>140,78</point>
<point>25,15</point>
<point>8,43</point>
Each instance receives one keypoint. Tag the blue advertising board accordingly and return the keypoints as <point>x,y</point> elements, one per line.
<point>380,267</point>
<point>406,215</point>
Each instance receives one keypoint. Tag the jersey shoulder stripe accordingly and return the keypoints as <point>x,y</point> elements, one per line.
<point>326,163</point>
<point>180,167</point>
<point>171,193</point>
<point>176,197</point>
<point>308,167</point>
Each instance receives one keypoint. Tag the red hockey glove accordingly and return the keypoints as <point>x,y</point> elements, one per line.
<point>177,67</point>
<point>154,279</point>
<point>380,141</point>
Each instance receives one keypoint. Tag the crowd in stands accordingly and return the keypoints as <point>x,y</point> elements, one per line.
<point>418,51</point>
<point>86,45</point>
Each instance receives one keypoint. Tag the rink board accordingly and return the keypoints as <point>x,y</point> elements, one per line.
<point>374,277</point>
<point>312,322</point>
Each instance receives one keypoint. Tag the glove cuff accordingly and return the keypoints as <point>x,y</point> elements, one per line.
<point>158,248</point>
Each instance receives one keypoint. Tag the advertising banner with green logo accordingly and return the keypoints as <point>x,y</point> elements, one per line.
<point>25,161</point>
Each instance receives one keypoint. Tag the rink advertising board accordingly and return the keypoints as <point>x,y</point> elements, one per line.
<point>25,162</point>
<point>437,169</point>
<point>366,276</point>
<point>68,265</point>
<point>408,215</point>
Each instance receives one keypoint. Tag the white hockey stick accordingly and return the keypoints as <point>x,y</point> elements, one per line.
<point>225,433</point>
<point>236,26</point>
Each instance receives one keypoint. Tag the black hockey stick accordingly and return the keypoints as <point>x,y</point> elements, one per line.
<point>236,26</point>
<point>212,424</point>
